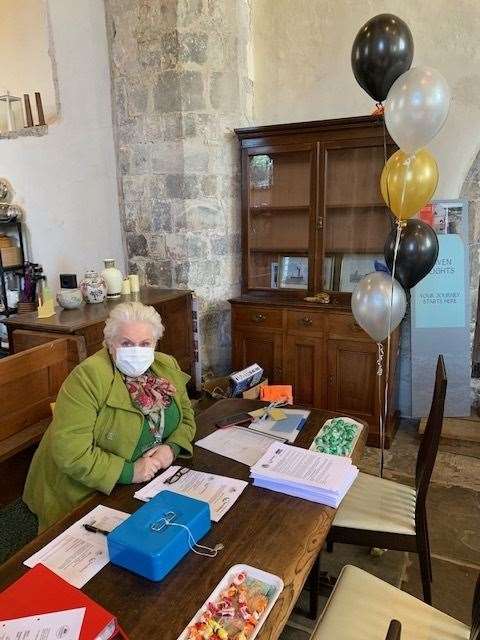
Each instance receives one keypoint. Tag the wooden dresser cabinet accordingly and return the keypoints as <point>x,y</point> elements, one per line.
<point>313,221</point>
<point>86,325</point>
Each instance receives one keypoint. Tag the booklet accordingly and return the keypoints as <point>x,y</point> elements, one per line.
<point>76,555</point>
<point>318,477</point>
<point>288,428</point>
<point>220,492</point>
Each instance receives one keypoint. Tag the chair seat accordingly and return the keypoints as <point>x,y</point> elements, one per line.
<point>361,607</point>
<point>376,504</point>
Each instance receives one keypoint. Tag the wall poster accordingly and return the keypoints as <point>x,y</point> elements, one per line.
<point>440,313</point>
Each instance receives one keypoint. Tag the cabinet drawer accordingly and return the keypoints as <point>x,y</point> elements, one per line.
<point>305,321</point>
<point>257,317</point>
<point>344,326</point>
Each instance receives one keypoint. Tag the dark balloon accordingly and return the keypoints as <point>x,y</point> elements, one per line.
<point>382,51</point>
<point>417,252</point>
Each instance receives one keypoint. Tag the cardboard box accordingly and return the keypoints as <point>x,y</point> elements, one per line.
<point>220,388</point>
<point>11,256</point>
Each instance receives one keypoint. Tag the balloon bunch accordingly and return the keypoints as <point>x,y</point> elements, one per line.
<point>416,106</point>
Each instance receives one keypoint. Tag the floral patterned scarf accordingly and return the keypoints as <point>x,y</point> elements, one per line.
<point>152,395</point>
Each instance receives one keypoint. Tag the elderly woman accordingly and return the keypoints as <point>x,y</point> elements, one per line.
<point>121,416</point>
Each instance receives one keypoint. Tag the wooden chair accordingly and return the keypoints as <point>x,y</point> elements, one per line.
<point>385,514</point>
<point>29,382</point>
<point>362,606</point>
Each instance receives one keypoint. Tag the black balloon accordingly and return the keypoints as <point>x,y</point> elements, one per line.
<point>381,52</point>
<point>417,252</point>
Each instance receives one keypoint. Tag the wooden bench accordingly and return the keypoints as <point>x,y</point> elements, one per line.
<point>29,382</point>
<point>23,339</point>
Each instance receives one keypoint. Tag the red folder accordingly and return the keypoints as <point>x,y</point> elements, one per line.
<point>42,591</point>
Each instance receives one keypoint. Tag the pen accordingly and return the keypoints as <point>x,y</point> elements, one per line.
<point>93,529</point>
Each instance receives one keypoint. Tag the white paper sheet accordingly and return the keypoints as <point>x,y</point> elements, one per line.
<point>76,555</point>
<point>237,443</point>
<point>220,492</point>
<point>49,626</point>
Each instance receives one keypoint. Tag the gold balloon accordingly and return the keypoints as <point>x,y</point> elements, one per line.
<point>408,182</point>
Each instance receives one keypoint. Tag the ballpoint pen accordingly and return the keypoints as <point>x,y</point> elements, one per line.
<point>93,529</point>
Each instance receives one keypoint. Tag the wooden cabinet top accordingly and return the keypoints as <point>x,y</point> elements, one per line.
<point>271,300</point>
<point>71,320</point>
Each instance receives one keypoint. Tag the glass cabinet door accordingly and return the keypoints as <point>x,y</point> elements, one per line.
<point>279,212</point>
<point>356,221</point>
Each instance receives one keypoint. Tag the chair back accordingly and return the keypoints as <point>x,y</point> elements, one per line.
<point>427,452</point>
<point>394,631</point>
<point>475,631</point>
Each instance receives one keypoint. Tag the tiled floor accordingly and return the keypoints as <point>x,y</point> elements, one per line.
<point>454,522</point>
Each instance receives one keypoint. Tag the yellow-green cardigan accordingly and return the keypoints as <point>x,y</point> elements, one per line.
<point>95,429</point>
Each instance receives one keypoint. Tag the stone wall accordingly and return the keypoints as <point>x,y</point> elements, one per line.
<point>180,85</point>
<point>471,192</point>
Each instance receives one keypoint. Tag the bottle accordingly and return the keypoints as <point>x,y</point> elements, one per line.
<point>113,278</point>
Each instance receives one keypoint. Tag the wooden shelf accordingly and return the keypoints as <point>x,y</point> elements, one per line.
<point>289,209</point>
<point>282,250</point>
<point>348,251</point>
<point>361,205</point>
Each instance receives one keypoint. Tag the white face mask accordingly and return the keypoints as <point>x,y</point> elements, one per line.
<point>133,361</point>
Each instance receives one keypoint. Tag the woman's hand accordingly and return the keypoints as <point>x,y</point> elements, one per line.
<point>145,468</point>
<point>163,455</point>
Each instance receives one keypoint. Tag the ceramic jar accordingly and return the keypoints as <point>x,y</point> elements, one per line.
<point>93,287</point>
<point>69,298</point>
<point>113,278</point>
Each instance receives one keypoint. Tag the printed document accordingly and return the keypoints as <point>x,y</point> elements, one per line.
<point>48,626</point>
<point>76,555</point>
<point>238,443</point>
<point>220,492</point>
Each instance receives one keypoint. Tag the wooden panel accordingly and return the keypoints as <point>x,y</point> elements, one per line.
<point>305,321</point>
<point>343,325</point>
<point>352,379</point>
<point>262,347</point>
<point>304,369</point>
<point>29,381</point>
<point>23,339</point>
<point>257,317</point>
<point>177,319</point>
<point>93,336</point>
<point>23,439</point>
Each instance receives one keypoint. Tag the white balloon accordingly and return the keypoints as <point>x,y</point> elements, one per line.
<point>416,107</point>
<point>374,307</point>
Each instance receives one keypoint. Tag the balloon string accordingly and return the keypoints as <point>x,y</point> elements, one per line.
<point>385,146</point>
<point>389,342</point>
<point>381,422</point>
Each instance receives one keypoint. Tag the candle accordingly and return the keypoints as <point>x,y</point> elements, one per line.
<point>134,283</point>
<point>126,287</point>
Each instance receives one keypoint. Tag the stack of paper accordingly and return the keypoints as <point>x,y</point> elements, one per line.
<point>318,477</point>
<point>287,428</point>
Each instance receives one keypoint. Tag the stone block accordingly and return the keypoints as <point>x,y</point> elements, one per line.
<point>158,273</point>
<point>137,97</point>
<point>192,90</point>
<point>204,214</point>
<point>189,12</point>
<point>167,157</point>
<point>181,248</point>
<point>161,216</point>
<point>157,187</point>
<point>224,91</point>
<point>193,47</point>
<point>157,247</point>
<point>209,186</point>
<point>173,126</point>
<point>137,244</point>
<point>166,92</point>
<point>182,273</point>
<point>195,157</point>
<point>139,160</point>
<point>169,50</point>
<point>182,186</point>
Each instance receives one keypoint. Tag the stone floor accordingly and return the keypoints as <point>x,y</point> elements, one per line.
<point>453,506</point>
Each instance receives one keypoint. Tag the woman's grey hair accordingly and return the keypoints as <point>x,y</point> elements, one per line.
<point>132,312</point>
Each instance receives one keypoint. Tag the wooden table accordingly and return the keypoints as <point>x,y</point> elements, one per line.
<point>268,530</point>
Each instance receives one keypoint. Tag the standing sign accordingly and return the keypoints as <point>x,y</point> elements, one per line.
<point>440,316</point>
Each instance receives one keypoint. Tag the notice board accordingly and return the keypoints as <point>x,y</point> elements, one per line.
<point>440,313</point>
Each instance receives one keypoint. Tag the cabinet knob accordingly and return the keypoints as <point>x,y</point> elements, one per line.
<point>306,321</point>
<point>331,379</point>
<point>259,317</point>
